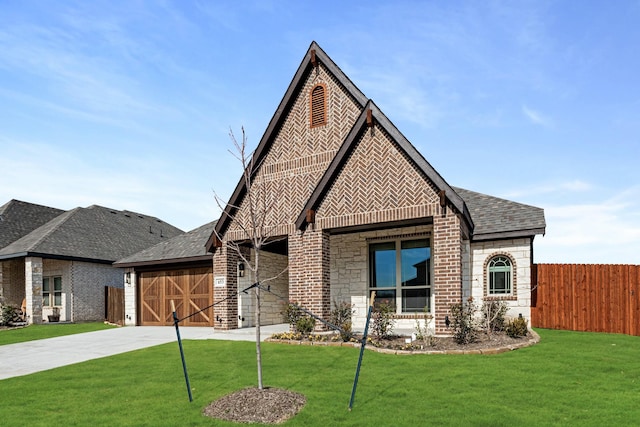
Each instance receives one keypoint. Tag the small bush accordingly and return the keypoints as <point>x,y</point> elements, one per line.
<point>291,313</point>
<point>8,313</point>
<point>517,327</point>
<point>383,321</point>
<point>305,325</point>
<point>493,313</point>
<point>340,316</point>
<point>464,322</point>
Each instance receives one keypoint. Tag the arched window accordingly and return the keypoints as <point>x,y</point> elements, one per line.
<point>500,274</point>
<point>318,106</point>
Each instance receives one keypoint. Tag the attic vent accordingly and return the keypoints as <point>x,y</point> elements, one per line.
<point>318,105</point>
<point>127,215</point>
<point>113,212</point>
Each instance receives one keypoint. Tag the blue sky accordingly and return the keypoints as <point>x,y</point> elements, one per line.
<point>128,104</point>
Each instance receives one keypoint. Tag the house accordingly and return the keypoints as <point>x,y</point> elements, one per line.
<point>62,260</point>
<point>355,208</point>
<point>180,270</point>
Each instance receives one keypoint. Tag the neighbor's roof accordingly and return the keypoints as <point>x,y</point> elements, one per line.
<point>496,218</point>
<point>18,218</point>
<point>94,234</point>
<point>182,248</point>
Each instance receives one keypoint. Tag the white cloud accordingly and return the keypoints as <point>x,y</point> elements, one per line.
<point>603,232</point>
<point>536,117</point>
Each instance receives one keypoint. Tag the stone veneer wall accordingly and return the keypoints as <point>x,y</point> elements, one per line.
<point>519,251</point>
<point>33,288</point>
<point>271,265</point>
<point>130,298</point>
<point>87,286</point>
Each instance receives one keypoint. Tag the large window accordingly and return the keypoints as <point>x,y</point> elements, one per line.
<point>500,272</point>
<point>52,291</point>
<point>400,273</point>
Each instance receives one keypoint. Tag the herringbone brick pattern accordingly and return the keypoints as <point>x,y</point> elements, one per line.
<point>298,157</point>
<point>379,183</point>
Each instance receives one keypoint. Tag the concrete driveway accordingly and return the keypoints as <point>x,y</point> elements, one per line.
<point>40,355</point>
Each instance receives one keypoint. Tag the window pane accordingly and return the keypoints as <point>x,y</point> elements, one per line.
<point>382,257</point>
<point>57,283</point>
<point>45,284</point>
<point>415,256</point>
<point>385,296</point>
<point>500,276</point>
<point>415,300</point>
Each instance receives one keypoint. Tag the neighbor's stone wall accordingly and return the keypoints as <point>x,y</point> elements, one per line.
<point>87,286</point>
<point>271,265</point>
<point>519,250</point>
<point>33,288</point>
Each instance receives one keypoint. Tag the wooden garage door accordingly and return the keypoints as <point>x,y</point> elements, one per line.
<point>191,290</point>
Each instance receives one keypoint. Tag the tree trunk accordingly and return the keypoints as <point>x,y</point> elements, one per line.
<point>257,315</point>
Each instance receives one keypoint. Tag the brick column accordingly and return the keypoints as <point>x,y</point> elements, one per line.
<point>33,288</point>
<point>447,264</point>
<point>309,272</point>
<point>225,264</point>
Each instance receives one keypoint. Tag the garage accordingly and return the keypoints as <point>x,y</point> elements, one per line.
<point>191,290</point>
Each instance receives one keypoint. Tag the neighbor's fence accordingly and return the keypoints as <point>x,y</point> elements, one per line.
<point>114,305</point>
<point>586,297</point>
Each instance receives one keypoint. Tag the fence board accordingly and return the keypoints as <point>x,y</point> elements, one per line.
<point>586,297</point>
<point>114,310</point>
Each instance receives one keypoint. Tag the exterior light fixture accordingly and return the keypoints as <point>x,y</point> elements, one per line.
<point>241,270</point>
<point>447,321</point>
<point>127,278</point>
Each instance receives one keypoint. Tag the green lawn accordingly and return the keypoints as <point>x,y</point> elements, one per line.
<point>570,378</point>
<point>38,332</point>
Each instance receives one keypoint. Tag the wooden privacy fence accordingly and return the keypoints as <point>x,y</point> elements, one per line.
<point>114,305</point>
<point>586,297</point>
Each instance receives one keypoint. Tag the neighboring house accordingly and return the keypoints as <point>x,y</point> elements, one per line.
<point>179,269</point>
<point>359,209</point>
<point>65,261</point>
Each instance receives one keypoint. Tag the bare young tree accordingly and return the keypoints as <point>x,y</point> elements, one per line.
<point>253,223</point>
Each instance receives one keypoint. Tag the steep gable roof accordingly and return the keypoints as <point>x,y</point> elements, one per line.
<point>316,55</point>
<point>95,233</point>
<point>185,247</point>
<point>371,112</point>
<point>496,218</point>
<point>18,218</point>
<point>311,59</point>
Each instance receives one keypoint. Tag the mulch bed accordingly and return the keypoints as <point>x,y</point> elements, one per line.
<point>252,405</point>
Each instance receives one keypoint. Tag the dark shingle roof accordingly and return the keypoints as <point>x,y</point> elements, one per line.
<point>500,218</point>
<point>189,246</point>
<point>18,218</point>
<point>93,233</point>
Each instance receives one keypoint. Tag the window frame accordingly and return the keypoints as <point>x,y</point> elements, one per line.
<point>399,300</point>
<point>510,284</point>
<point>50,294</point>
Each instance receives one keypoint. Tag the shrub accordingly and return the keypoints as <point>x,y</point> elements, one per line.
<point>383,322</point>
<point>305,325</point>
<point>8,313</point>
<point>291,313</point>
<point>340,316</point>
<point>517,327</point>
<point>464,323</point>
<point>493,313</point>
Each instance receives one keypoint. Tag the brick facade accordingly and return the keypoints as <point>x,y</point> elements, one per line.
<point>310,271</point>
<point>225,265</point>
<point>447,265</point>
